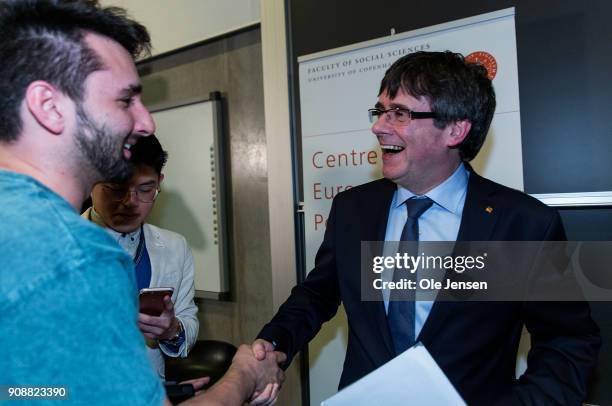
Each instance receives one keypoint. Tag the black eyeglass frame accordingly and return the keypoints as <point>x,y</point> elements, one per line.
<point>374,114</point>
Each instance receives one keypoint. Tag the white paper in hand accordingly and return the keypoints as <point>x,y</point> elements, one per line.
<point>412,377</point>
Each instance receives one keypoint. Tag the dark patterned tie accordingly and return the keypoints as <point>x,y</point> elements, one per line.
<point>401,305</point>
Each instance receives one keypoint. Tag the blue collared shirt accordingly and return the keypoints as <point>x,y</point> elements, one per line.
<point>439,223</point>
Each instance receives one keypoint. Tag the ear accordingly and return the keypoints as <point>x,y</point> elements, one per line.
<point>44,103</point>
<point>458,130</point>
<point>161,178</point>
<point>93,189</point>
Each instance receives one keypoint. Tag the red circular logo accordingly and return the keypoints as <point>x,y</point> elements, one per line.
<point>485,59</point>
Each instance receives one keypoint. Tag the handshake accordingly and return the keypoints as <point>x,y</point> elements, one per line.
<point>254,375</point>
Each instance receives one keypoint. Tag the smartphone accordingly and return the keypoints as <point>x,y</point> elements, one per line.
<point>151,300</point>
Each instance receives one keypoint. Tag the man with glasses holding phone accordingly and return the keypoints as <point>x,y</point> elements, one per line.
<point>162,258</point>
<point>433,113</point>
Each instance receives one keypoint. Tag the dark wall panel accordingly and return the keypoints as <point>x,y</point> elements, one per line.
<point>564,55</point>
<point>582,224</point>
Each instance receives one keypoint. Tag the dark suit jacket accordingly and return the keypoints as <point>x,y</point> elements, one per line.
<point>474,343</point>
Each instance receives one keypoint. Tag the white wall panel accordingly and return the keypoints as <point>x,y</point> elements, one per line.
<point>175,24</point>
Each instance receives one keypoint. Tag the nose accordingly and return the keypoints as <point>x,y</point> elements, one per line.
<point>381,124</point>
<point>130,198</point>
<point>143,121</point>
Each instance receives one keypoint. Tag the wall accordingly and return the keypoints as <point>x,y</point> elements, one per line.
<point>233,67</point>
<point>564,54</point>
<point>191,21</point>
<point>595,224</point>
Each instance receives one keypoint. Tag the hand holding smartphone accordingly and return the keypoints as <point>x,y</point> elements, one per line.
<point>151,300</point>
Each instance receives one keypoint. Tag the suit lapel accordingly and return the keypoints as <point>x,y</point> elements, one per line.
<point>375,230</point>
<point>480,214</point>
<point>481,210</point>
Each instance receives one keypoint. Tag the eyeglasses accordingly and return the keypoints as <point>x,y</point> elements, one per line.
<point>398,115</point>
<point>144,194</point>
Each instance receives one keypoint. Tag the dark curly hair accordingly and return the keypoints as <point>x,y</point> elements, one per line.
<point>44,40</point>
<point>455,88</point>
<point>148,151</point>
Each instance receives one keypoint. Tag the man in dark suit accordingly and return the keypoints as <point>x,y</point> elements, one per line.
<point>433,113</point>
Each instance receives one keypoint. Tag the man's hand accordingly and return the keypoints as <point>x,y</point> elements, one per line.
<point>245,376</point>
<point>267,397</point>
<point>262,372</point>
<point>162,327</point>
<point>261,348</point>
<point>265,373</point>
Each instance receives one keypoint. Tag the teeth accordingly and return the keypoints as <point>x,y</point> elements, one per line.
<point>392,147</point>
<point>127,146</point>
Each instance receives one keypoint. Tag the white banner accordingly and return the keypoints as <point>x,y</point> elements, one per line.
<point>339,86</point>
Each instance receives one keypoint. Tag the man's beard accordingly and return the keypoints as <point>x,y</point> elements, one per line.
<point>100,149</point>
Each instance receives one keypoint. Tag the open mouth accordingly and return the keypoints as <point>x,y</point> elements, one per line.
<point>391,149</point>
<point>126,150</point>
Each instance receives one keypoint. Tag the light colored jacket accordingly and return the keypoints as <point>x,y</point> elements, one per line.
<point>171,266</point>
